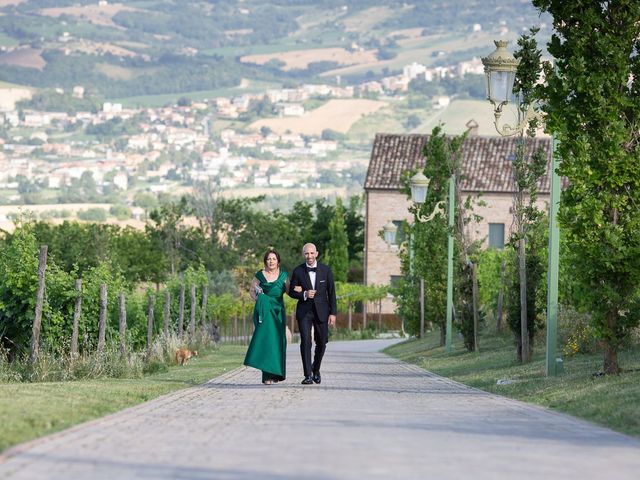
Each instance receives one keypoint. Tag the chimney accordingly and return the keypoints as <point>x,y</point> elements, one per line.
<point>472,128</point>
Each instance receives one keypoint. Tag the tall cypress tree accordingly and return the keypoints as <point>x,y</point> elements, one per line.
<point>593,108</point>
<point>337,256</point>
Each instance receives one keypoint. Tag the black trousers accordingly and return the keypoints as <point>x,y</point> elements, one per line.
<point>321,337</point>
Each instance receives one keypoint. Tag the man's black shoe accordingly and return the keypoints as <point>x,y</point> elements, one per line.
<point>316,378</point>
<point>307,381</point>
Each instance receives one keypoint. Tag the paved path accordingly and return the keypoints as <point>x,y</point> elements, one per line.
<point>372,417</point>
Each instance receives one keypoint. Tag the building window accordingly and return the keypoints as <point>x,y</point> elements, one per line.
<point>395,280</point>
<point>496,235</point>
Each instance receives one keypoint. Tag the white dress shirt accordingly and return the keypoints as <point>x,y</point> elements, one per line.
<point>312,277</point>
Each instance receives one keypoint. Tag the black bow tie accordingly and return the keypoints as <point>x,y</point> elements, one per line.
<point>312,269</point>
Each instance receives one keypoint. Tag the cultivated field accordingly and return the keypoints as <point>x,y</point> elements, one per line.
<point>122,73</point>
<point>10,94</point>
<point>385,120</point>
<point>34,211</point>
<point>130,44</point>
<point>336,115</point>
<point>94,48</point>
<point>24,57</point>
<point>406,33</point>
<point>248,86</point>
<point>366,20</point>
<point>316,19</point>
<point>300,59</point>
<point>420,49</point>
<point>96,14</point>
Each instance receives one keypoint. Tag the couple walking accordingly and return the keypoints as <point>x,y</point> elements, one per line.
<point>311,284</point>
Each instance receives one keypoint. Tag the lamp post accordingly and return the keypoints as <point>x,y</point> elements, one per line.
<point>419,189</point>
<point>389,233</point>
<point>500,70</point>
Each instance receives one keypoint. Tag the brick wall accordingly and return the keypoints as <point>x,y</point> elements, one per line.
<point>382,262</point>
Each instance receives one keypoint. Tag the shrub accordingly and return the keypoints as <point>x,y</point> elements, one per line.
<point>18,281</point>
<point>93,215</point>
<point>121,212</point>
<point>575,332</point>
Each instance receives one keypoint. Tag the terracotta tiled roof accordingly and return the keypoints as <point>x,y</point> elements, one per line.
<point>486,161</point>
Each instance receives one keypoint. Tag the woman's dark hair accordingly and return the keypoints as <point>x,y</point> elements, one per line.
<point>269,252</point>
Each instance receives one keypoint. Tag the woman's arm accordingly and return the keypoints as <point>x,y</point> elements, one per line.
<point>252,289</point>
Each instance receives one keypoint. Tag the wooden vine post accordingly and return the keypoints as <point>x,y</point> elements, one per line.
<point>37,320</point>
<point>77,310</point>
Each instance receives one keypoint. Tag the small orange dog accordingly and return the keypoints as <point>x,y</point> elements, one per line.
<point>183,355</point>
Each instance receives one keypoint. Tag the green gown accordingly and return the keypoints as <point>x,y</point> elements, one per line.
<point>267,350</point>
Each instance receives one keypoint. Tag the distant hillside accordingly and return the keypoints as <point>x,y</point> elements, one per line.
<point>151,47</point>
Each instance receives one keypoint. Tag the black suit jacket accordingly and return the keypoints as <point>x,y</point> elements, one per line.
<point>325,298</point>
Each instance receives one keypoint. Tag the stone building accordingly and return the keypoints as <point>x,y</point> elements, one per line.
<point>486,171</point>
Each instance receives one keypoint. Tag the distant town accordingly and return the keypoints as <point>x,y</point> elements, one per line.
<point>36,153</point>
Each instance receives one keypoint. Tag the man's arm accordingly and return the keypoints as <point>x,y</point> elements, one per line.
<point>331,294</point>
<point>295,282</point>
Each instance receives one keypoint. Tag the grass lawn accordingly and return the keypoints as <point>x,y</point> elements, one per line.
<point>612,401</point>
<point>31,410</point>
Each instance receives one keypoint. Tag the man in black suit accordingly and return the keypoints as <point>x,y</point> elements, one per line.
<point>316,309</point>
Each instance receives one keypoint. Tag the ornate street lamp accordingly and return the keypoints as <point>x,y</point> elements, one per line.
<point>500,68</point>
<point>419,189</point>
<point>389,232</point>
<point>500,71</point>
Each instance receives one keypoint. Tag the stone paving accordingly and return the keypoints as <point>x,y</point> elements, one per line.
<point>372,417</point>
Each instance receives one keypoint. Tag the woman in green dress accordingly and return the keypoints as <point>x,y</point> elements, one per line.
<point>268,347</point>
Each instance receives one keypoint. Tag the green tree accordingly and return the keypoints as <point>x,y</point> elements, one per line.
<point>490,279</point>
<point>337,256</point>
<point>528,168</point>
<point>324,212</point>
<point>328,134</point>
<point>425,254</point>
<point>93,215</point>
<point>264,130</point>
<point>76,245</point>
<point>593,107</point>
<point>138,255</point>
<point>354,221</point>
<point>412,122</point>
<point>301,216</point>
<point>18,282</point>
<point>146,200</point>
<point>92,278</point>
<point>168,230</point>
<point>121,212</point>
